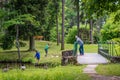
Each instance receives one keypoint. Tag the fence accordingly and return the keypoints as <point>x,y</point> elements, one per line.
<point>110,50</point>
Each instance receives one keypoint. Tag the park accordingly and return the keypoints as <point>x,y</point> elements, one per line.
<point>59,40</point>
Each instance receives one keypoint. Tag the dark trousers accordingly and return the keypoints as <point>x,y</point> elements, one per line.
<point>81,50</point>
<point>46,51</point>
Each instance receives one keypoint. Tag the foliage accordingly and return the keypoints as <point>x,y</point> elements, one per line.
<point>116,46</point>
<point>84,31</point>
<point>26,24</point>
<point>22,44</point>
<point>99,7</point>
<point>70,38</point>
<point>116,40</point>
<point>109,69</point>
<point>53,35</point>
<point>111,29</point>
<point>8,42</point>
<point>1,36</point>
<point>2,13</point>
<point>57,73</point>
<point>22,20</point>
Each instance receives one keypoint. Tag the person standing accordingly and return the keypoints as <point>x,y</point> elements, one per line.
<point>75,49</point>
<point>80,42</point>
<point>37,56</point>
<point>46,49</point>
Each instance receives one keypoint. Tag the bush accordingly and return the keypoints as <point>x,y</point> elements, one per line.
<point>22,44</point>
<point>111,29</point>
<point>116,40</point>
<point>53,34</point>
<point>70,38</point>
<point>8,42</point>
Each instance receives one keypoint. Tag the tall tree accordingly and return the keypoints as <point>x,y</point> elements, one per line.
<point>57,13</point>
<point>62,43</point>
<point>36,8</point>
<point>78,18</point>
<point>91,31</point>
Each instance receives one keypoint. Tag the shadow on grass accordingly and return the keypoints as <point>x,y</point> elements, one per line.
<point>14,51</point>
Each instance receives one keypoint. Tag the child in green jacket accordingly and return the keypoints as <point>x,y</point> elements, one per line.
<point>46,49</point>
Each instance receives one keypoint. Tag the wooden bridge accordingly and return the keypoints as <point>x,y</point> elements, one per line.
<point>107,52</point>
<point>91,58</point>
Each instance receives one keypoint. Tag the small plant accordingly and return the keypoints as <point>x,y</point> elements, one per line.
<point>22,44</point>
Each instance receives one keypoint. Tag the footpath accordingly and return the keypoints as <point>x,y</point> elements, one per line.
<point>92,60</point>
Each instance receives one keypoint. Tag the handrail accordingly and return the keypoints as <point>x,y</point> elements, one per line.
<point>111,47</point>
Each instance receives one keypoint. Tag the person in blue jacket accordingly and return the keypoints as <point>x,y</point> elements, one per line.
<point>80,42</point>
<point>37,56</point>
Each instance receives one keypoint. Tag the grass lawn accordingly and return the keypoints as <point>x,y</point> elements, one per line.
<point>57,73</point>
<point>109,69</point>
<point>54,54</point>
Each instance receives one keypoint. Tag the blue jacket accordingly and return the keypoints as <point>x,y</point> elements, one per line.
<point>37,55</point>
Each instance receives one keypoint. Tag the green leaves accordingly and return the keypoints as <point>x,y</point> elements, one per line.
<point>2,13</point>
<point>100,7</point>
<point>21,20</point>
<point>111,29</point>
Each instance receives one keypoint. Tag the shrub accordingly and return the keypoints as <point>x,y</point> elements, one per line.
<point>53,34</point>
<point>22,44</point>
<point>8,42</point>
<point>111,29</point>
<point>70,38</point>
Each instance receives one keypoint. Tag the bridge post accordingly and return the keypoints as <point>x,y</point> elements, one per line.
<point>68,57</point>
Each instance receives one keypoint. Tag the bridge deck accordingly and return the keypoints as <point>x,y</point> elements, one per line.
<point>91,58</point>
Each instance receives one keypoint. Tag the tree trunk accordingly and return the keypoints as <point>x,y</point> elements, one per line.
<point>31,44</point>
<point>78,19</point>
<point>91,29</point>
<point>57,30</point>
<point>62,43</point>
<point>17,42</point>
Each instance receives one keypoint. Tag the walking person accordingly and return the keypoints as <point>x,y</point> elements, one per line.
<point>37,56</point>
<point>46,49</point>
<point>80,42</point>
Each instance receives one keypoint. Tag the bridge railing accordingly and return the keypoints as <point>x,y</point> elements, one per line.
<point>110,50</point>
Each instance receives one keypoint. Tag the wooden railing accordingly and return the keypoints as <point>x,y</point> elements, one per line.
<point>110,50</point>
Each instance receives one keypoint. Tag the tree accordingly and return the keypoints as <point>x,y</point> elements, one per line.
<point>97,9</point>
<point>33,8</point>
<point>111,28</point>
<point>57,11</point>
<point>78,18</point>
<point>62,43</point>
<point>76,3</point>
<point>26,23</point>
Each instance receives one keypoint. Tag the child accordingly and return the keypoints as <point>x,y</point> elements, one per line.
<point>46,49</point>
<point>37,56</point>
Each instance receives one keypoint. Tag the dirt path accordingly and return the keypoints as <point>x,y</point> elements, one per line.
<point>90,70</point>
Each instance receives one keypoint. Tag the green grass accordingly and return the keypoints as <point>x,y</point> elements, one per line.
<point>57,73</point>
<point>109,69</point>
<point>54,51</point>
